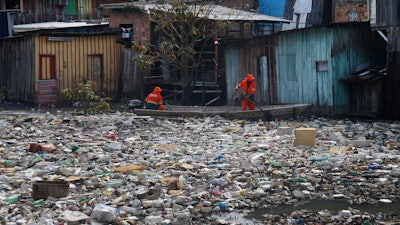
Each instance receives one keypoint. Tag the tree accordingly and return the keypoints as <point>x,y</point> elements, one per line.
<point>185,30</point>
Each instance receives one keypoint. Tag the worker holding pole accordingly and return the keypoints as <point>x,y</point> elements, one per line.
<point>248,86</point>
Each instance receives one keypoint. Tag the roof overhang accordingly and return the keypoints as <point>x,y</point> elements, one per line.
<point>53,25</point>
<point>366,75</point>
<point>212,12</point>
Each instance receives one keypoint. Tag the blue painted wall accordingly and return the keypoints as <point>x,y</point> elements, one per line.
<point>272,7</point>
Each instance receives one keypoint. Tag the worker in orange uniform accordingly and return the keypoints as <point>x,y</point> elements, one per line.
<point>248,86</point>
<point>154,99</point>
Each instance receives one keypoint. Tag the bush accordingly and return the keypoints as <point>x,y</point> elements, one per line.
<point>3,93</point>
<point>83,96</point>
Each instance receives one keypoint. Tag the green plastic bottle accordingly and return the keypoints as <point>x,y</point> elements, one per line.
<point>116,183</point>
<point>299,179</point>
<point>275,164</point>
<point>12,199</point>
<point>38,202</point>
<point>75,148</point>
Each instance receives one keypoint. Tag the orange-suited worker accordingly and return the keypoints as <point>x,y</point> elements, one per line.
<point>154,99</point>
<point>248,86</point>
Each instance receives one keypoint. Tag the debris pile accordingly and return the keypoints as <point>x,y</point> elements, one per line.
<point>119,168</point>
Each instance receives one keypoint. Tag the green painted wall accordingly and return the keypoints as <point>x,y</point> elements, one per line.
<point>71,8</point>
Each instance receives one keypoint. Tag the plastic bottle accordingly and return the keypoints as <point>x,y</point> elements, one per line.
<point>275,164</point>
<point>374,167</point>
<point>110,136</point>
<point>346,180</point>
<point>75,148</point>
<point>104,213</point>
<point>216,192</point>
<point>12,199</point>
<point>38,202</point>
<point>234,194</point>
<point>153,219</point>
<point>8,163</point>
<point>300,170</point>
<point>220,181</point>
<point>222,205</point>
<point>116,183</point>
<point>299,179</point>
<point>318,159</point>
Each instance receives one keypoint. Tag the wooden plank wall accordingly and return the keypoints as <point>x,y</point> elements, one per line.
<point>17,68</point>
<point>250,56</point>
<point>387,13</point>
<point>72,60</point>
<point>392,95</point>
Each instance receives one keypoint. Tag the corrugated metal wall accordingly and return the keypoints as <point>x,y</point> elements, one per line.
<point>72,60</point>
<point>87,8</point>
<point>17,66</point>
<point>386,16</point>
<point>387,13</point>
<point>392,103</point>
<point>321,12</point>
<point>393,39</point>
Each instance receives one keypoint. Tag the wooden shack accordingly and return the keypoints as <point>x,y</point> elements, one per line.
<point>43,59</point>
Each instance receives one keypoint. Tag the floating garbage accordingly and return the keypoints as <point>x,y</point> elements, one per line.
<point>118,168</point>
<point>73,216</point>
<point>104,213</point>
<point>45,189</point>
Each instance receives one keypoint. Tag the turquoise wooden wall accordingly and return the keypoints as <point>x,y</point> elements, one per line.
<point>232,75</point>
<point>344,47</point>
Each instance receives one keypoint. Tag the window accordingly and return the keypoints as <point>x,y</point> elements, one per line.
<point>322,66</point>
<point>127,34</point>
<point>352,16</point>
<point>47,67</point>
<point>13,4</point>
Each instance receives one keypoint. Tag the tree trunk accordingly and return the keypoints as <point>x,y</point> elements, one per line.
<point>187,91</point>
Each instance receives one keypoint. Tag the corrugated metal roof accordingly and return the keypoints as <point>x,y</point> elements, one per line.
<point>52,25</point>
<point>212,12</point>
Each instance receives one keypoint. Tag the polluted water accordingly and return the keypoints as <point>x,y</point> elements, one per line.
<point>62,167</point>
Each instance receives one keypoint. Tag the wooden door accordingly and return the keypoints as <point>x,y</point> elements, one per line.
<point>47,83</point>
<point>96,72</point>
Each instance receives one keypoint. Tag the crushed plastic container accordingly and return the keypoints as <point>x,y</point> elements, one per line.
<point>104,213</point>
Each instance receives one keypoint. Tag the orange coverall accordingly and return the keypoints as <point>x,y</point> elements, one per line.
<point>154,99</point>
<point>248,86</point>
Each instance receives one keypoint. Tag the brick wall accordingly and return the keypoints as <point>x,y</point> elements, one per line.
<point>141,25</point>
<point>351,10</point>
<point>140,22</point>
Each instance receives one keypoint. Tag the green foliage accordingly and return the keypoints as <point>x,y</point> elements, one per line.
<point>83,96</point>
<point>126,104</point>
<point>3,92</point>
<point>184,32</point>
<point>122,105</point>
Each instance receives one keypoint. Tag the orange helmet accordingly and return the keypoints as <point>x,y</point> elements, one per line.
<point>249,77</point>
<point>157,90</point>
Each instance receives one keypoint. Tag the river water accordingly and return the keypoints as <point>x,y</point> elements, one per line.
<point>256,216</point>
